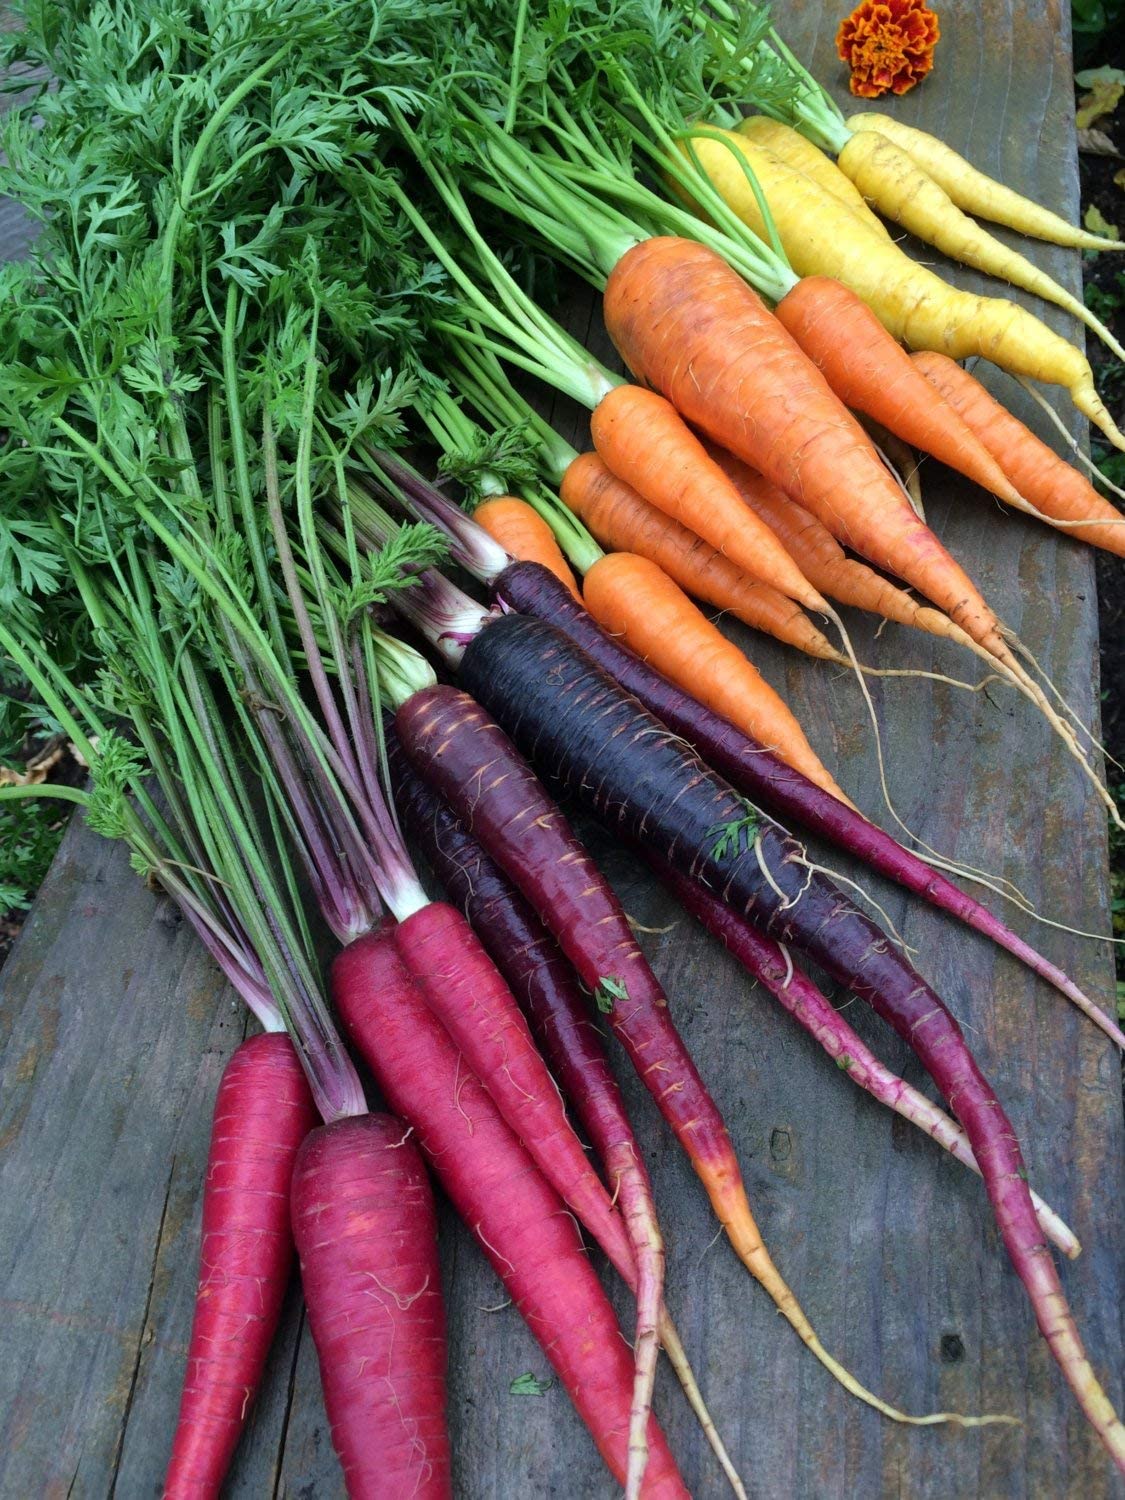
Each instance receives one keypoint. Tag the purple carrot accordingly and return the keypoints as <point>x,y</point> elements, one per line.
<point>461,752</point>
<point>596,740</point>
<point>765,778</point>
<point>767,962</point>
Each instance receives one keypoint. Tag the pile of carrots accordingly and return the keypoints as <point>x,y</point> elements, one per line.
<point>242,595</point>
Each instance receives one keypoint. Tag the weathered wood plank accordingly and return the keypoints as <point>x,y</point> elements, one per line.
<point>115,1031</point>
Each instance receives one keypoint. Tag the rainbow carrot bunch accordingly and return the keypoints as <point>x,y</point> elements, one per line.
<point>309,247</point>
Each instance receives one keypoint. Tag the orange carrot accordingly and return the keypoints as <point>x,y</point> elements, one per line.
<point>872,373</point>
<point>691,327</point>
<point>825,563</point>
<point>624,521</point>
<point>644,441</point>
<point>632,598</point>
<point>524,533</point>
<point>1045,481</point>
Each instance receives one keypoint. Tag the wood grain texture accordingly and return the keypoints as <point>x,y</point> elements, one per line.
<point>116,1029</point>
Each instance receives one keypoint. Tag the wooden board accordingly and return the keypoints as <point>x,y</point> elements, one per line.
<point>116,1029</point>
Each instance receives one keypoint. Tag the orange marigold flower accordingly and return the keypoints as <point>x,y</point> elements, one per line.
<point>888,45</point>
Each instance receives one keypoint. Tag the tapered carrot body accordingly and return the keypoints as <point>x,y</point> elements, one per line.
<point>647,784</point>
<point>455,746</point>
<point>769,966</point>
<point>768,781</point>
<point>366,1231</point>
<point>824,561</point>
<point>523,532</point>
<point>465,991</point>
<point>632,598</point>
<point>624,521</point>
<point>975,192</point>
<point>873,374</point>
<point>888,177</point>
<point>517,1219</point>
<point>823,238</point>
<point>263,1111</point>
<point>798,152</point>
<point>1045,481</point>
<point>690,326</point>
<point>643,439</point>
<point>547,989</point>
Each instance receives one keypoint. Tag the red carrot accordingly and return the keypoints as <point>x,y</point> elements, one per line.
<point>547,989</point>
<point>517,1219</point>
<point>366,1232</point>
<point>263,1111</point>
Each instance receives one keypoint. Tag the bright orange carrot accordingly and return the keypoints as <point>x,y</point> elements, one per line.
<point>524,533</point>
<point>688,325</point>
<point>1045,481</point>
<point>624,521</point>
<point>632,598</point>
<point>645,441</point>
<point>825,563</point>
<point>872,373</point>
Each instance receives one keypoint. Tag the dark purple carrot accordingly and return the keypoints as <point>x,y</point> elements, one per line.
<point>547,989</point>
<point>366,1232</point>
<point>596,740</point>
<point>518,1220</point>
<point>770,965</point>
<point>461,752</point>
<point>263,1111</point>
<point>762,776</point>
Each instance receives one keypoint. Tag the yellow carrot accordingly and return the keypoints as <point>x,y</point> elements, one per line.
<point>975,193</point>
<point>901,190</point>
<point>798,152</point>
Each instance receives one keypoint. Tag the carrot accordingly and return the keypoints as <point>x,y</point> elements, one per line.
<point>263,1110</point>
<point>768,781</point>
<point>822,237</point>
<point>798,152</point>
<point>366,1231</point>
<point>624,521</point>
<point>549,994</point>
<point>523,533</point>
<point>644,441</point>
<point>454,745</point>
<point>901,190</point>
<point>647,784</point>
<point>976,193</point>
<point>822,558</point>
<point>632,598</point>
<point>1047,484</point>
<point>464,990</point>
<point>766,962</point>
<point>517,1219</point>
<point>873,374</point>
<point>688,324</point>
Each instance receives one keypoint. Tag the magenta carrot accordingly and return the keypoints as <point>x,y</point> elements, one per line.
<point>753,770</point>
<point>464,989</point>
<point>772,967</point>
<point>263,1110</point>
<point>547,989</point>
<point>517,1219</point>
<point>366,1232</point>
